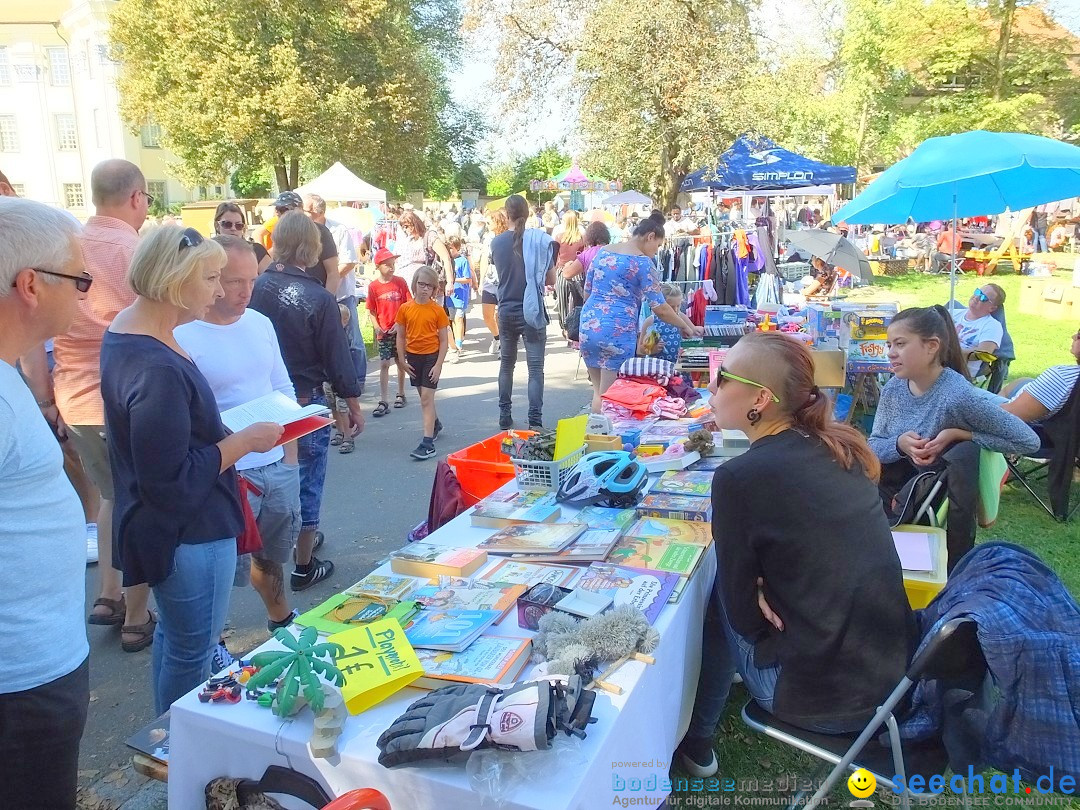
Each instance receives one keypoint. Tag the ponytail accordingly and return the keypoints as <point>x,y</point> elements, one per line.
<point>936,322</point>
<point>517,211</point>
<point>847,445</point>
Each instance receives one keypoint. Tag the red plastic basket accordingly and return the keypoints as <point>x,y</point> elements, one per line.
<point>483,467</point>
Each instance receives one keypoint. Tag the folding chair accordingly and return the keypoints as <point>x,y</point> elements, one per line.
<point>1056,461</point>
<point>953,656</point>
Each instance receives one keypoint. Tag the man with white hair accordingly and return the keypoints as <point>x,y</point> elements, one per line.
<point>44,683</point>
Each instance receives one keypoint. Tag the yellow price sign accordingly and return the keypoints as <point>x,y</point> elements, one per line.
<point>376,660</point>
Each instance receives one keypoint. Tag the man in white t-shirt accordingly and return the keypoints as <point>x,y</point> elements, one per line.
<point>237,350</point>
<point>44,681</point>
<point>976,326</point>
<point>677,225</point>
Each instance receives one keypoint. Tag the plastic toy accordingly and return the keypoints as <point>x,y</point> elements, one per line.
<point>297,671</point>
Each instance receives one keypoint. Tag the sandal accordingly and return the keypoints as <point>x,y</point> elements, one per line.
<point>337,438</point>
<point>399,401</point>
<point>144,634</point>
<point>117,609</point>
<point>347,446</point>
<point>382,409</point>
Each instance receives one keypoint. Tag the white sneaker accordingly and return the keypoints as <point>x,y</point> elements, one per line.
<point>91,543</point>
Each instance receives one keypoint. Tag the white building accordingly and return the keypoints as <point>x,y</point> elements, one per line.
<point>59,110</point>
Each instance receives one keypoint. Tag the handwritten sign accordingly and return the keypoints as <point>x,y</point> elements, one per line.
<point>376,661</point>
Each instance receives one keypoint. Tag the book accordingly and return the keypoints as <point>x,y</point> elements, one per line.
<point>681,531</point>
<point>343,611</point>
<point>427,560</point>
<point>707,464</point>
<point>276,407</point>
<point>591,545</point>
<point>657,554</point>
<point>676,507</point>
<point>528,573</point>
<point>452,630</point>
<point>489,659</point>
<point>501,509</point>
<point>646,590</point>
<point>603,517</point>
<point>532,538</point>
<point>480,595</point>
<point>677,591</point>
<point>383,586</point>
<point>685,482</point>
<point>152,739</point>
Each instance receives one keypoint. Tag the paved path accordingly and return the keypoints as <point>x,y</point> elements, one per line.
<point>373,498</point>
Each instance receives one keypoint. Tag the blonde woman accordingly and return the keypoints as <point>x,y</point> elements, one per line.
<point>489,278</point>
<point>571,240</point>
<point>177,510</point>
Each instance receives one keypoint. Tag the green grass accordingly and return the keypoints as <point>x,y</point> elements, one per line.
<point>751,759</point>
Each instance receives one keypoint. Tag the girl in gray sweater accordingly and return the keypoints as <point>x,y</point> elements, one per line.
<point>931,417</point>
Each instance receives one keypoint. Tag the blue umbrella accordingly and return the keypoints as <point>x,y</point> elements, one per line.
<point>971,174</point>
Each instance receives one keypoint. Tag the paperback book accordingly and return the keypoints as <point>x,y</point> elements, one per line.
<point>344,612</point>
<point>685,482</point>
<point>707,464</point>
<point>501,509</point>
<point>383,586</point>
<point>427,560</point>
<point>680,531</point>
<point>591,545</point>
<point>452,630</point>
<point>488,660</point>
<point>603,517</point>
<point>478,595</point>
<point>532,538</point>
<point>657,554</point>
<point>530,573</point>
<point>648,591</point>
<point>676,507</point>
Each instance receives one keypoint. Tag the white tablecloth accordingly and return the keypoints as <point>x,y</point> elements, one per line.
<point>633,739</point>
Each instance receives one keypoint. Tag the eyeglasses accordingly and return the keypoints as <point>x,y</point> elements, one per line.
<point>149,197</point>
<point>425,285</point>
<point>980,295</point>
<point>723,374</point>
<point>82,281</point>
<point>229,225</point>
<point>190,238</point>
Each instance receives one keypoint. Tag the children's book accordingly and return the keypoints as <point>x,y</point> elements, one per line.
<point>676,507</point>
<point>152,739</point>
<point>677,591</point>
<point>489,659</point>
<point>657,554</point>
<point>603,517</point>
<point>591,545</point>
<point>452,630</point>
<point>707,464</point>
<point>685,482</point>
<point>646,590</point>
<point>344,612</point>
<point>479,595</point>
<point>383,586</point>
<point>501,509</point>
<point>533,538</point>
<point>529,573</point>
<point>680,531</point>
<point>428,560</point>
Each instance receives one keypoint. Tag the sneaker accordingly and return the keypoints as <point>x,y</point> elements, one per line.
<point>535,426</point>
<point>317,572</point>
<point>696,755</point>
<point>423,450</point>
<point>222,658</point>
<point>494,347</point>
<point>438,430</point>
<point>91,543</point>
<point>506,421</point>
<point>272,625</point>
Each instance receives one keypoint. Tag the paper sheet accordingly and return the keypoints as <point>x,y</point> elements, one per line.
<point>570,435</point>
<point>913,548</point>
<point>274,407</point>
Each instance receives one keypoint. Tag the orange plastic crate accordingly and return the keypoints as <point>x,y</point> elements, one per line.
<point>483,467</point>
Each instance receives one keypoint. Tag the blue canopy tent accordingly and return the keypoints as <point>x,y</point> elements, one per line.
<point>758,164</point>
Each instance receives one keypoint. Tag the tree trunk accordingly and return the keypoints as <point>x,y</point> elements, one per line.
<point>860,141</point>
<point>1008,11</point>
<point>670,180</point>
<point>294,172</point>
<point>281,174</point>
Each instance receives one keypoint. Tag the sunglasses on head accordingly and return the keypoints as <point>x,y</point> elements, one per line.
<point>82,281</point>
<point>190,238</point>
<point>723,374</point>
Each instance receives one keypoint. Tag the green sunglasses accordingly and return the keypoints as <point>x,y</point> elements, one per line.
<point>723,374</point>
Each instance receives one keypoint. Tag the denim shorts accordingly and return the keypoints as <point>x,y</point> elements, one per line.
<point>311,453</point>
<point>277,514</point>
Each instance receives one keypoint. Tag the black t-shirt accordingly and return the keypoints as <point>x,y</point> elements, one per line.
<point>511,267</point>
<point>329,251</point>
<point>260,252</point>
<point>786,511</point>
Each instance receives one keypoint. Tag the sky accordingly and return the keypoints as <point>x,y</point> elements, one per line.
<point>474,84</point>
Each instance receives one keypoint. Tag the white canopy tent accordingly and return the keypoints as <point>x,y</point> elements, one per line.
<point>338,184</point>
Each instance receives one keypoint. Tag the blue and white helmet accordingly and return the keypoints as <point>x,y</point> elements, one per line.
<point>608,478</point>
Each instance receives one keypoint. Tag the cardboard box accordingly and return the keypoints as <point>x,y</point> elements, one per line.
<point>1055,299</point>
<point>828,368</point>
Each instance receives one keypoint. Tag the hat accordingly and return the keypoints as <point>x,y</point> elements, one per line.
<point>288,199</point>
<point>382,256</point>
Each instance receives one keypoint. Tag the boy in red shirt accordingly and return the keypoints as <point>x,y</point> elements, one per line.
<point>385,296</point>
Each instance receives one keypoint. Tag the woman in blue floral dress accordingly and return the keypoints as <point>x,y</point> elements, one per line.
<point>619,278</point>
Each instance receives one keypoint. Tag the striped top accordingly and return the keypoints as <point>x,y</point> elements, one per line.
<point>1053,386</point>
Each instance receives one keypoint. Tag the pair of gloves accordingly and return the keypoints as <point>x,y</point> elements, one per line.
<point>448,724</point>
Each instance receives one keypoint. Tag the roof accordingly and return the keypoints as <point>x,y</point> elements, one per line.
<point>39,11</point>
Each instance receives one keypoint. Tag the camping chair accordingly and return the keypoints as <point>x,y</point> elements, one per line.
<point>953,656</point>
<point>1056,461</point>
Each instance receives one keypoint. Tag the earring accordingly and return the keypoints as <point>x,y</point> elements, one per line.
<point>753,416</point>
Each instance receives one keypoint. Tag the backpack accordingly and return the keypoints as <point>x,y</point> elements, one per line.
<point>920,499</point>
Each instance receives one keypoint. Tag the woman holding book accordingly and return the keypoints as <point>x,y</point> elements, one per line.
<point>809,604</point>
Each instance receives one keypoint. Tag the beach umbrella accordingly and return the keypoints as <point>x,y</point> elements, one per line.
<point>970,174</point>
<point>833,249</point>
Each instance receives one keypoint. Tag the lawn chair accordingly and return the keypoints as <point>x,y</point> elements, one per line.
<point>952,656</point>
<point>1056,461</point>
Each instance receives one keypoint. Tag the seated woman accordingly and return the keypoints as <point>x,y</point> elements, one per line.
<point>930,417</point>
<point>809,604</point>
<point>824,279</point>
<point>1037,400</point>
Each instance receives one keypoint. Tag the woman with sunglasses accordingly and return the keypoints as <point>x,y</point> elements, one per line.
<point>229,221</point>
<point>809,603</point>
<point>177,511</point>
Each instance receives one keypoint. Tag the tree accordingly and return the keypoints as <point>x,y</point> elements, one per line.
<point>279,84</point>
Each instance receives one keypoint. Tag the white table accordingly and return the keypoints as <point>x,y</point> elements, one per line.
<point>633,739</point>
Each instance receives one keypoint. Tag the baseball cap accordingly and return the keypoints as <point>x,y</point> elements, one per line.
<point>382,256</point>
<point>288,199</point>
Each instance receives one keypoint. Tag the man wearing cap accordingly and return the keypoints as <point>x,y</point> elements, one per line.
<point>386,294</point>
<point>326,269</point>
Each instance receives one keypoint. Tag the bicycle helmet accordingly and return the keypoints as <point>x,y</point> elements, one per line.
<point>608,478</point>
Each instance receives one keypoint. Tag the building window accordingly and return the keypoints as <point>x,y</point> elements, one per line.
<point>67,139</point>
<point>159,191</point>
<point>73,195</point>
<point>19,189</point>
<point>5,68</point>
<point>151,136</point>
<point>9,135</point>
<point>59,68</point>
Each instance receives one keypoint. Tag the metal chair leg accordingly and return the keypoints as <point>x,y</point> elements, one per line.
<point>898,759</point>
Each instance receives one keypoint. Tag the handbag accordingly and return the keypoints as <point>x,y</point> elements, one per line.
<point>249,539</point>
<point>572,323</point>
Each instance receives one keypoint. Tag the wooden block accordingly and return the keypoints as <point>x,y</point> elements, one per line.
<point>148,766</point>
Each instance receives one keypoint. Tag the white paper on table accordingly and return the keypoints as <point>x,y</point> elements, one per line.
<point>913,548</point>
<point>274,407</point>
